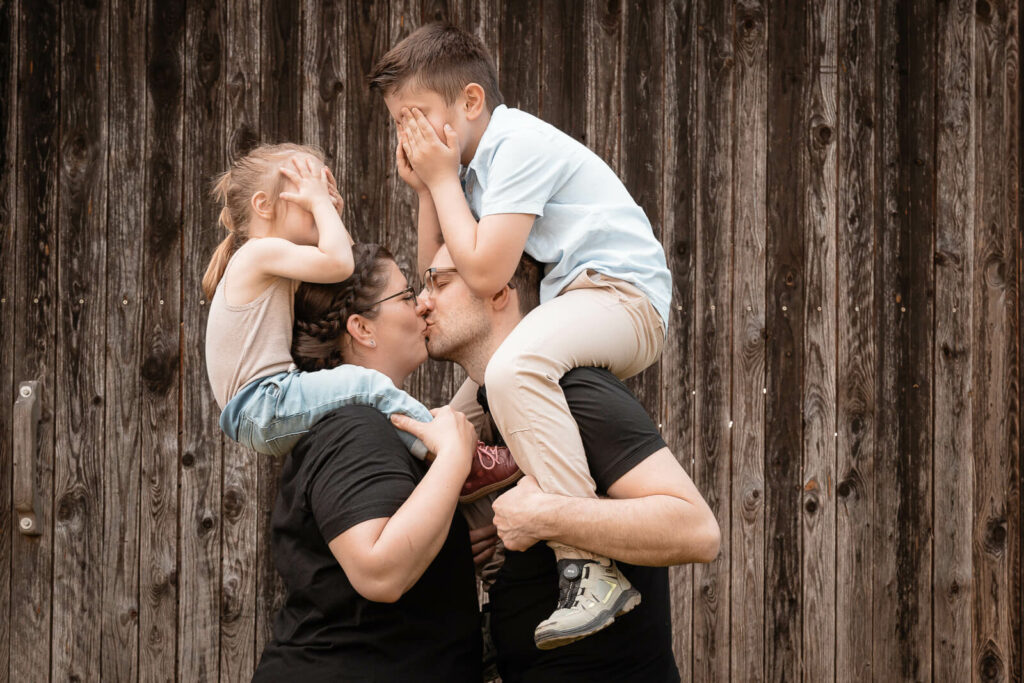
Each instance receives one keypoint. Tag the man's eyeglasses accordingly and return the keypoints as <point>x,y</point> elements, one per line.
<point>430,278</point>
<point>408,293</point>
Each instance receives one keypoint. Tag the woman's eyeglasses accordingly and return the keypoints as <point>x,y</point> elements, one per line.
<point>408,293</point>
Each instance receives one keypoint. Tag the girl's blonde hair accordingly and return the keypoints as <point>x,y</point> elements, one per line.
<point>234,189</point>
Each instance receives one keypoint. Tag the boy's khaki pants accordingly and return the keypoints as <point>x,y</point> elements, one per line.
<point>595,321</point>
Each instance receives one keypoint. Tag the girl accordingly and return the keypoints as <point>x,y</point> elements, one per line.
<point>282,213</point>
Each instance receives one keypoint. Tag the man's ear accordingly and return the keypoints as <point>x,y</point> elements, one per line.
<point>505,297</point>
<point>261,205</point>
<point>360,332</point>
<point>475,100</point>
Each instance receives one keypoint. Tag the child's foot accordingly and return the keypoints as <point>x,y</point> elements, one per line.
<point>493,468</point>
<point>591,593</point>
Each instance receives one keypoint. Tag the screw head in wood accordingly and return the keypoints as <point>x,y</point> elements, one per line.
<point>26,524</point>
<point>25,392</point>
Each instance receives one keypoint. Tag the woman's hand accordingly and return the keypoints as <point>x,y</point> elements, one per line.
<point>432,158</point>
<point>451,437</point>
<point>311,187</point>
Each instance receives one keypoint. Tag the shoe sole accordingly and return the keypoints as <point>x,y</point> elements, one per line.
<point>626,602</point>
<point>481,492</point>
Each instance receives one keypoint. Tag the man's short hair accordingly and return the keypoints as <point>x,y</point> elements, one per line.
<point>526,281</point>
<point>438,57</point>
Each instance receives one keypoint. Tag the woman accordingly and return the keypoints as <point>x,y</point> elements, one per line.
<point>377,565</point>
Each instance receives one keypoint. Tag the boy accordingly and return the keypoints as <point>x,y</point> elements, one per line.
<point>492,183</point>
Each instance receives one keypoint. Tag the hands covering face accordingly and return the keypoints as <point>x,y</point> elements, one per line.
<point>423,158</point>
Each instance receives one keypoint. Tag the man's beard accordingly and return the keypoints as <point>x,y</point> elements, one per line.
<point>454,347</point>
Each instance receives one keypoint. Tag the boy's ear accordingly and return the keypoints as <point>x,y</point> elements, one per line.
<point>261,205</point>
<point>475,100</point>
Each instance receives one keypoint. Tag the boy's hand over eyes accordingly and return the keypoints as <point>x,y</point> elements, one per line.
<point>405,169</point>
<point>432,159</point>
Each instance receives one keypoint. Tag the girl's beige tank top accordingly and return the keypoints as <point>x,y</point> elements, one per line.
<point>246,342</point>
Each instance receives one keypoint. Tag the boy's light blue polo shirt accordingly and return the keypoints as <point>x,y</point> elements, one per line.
<point>586,219</point>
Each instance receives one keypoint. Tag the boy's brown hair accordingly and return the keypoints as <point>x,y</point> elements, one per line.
<point>438,57</point>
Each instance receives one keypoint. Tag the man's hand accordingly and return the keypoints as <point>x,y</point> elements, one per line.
<point>483,541</point>
<point>433,159</point>
<point>515,514</point>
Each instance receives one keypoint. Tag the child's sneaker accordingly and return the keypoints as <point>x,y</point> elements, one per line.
<point>493,468</point>
<point>591,593</point>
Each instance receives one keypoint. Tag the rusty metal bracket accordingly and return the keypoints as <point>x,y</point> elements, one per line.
<point>26,422</point>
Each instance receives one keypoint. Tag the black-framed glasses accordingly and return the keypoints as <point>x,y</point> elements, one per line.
<point>407,292</point>
<point>430,278</point>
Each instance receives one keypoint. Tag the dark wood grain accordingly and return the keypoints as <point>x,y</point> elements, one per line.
<point>747,596</point>
<point>789,89</point>
<point>8,223</point>
<point>35,340</point>
<point>857,337</point>
<point>563,68</point>
<point>603,44</point>
<point>990,282</point>
<point>78,532</point>
<point>123,316</point>
<point>902,554</point>
<point>679,236</point>
<point>713,319</point>
<point>205,154</point>
<point>160,298</point>
<point>818,510</point>
<point>955,208</point>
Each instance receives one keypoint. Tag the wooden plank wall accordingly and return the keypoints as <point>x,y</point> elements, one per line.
<point>837,186</point>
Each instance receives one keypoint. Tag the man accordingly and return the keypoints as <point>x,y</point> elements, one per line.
<point>653,515</point>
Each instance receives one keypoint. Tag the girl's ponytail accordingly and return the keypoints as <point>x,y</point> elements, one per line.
<point>218,264</point>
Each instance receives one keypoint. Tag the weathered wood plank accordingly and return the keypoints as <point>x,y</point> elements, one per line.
<point>81,297</point>
<point>747,620</point>
<point>123,314</point>
<point>713,317</point>
<point>35,339</point>
<point>239,495</point>
<point>160,300</point>
<point>366,144</point>
<point>322,69</point>
<point>603,43</point>
<point>679,236</point>
<point>8,222</point>
<point>789,88</point>
<point>204,144</point>
<point>902,554</point>
<point>996,361</point>
<point>518,56</point>
<point>563,67</point>
<point>642,83</point>
<point>955,208</point>
<point>819,391</point>
<point>857,337</point>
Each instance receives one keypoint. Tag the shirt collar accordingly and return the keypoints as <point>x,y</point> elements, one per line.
<point>485,139</point>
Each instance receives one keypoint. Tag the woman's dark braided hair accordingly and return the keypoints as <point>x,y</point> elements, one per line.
<point>322,311</point>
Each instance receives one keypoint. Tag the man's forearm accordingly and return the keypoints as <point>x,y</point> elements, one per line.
<point>656,530</point>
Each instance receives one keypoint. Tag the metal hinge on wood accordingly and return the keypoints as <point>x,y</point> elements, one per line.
<point>26,422</point>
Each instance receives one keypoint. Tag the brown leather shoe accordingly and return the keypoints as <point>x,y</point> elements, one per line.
<point>493,468</point>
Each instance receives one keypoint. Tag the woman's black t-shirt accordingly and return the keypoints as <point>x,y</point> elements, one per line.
<point>351,468</point>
